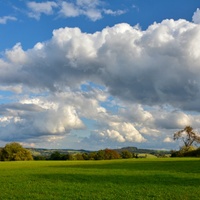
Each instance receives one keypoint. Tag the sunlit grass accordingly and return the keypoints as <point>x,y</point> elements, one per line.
<point>167,178</point>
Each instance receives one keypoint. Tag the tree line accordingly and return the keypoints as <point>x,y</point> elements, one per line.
<point>15,152</point>
<point>106,154</point>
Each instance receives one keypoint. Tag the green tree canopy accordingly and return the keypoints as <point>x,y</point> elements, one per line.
<point>107,154</point>
<point>126,154</point>
<point>14,152</point>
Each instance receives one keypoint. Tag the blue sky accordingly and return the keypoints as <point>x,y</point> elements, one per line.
<point>28,30</point>
<point>98,74</point>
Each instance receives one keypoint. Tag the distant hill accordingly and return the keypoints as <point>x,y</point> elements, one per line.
<point>48,152</point>
<point>136,150</point>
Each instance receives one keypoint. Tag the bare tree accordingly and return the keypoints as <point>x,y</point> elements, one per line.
<point>188,136</point>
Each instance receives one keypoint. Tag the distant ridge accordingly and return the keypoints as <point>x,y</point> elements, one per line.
<point>48,152</point>
<point>136,150</point>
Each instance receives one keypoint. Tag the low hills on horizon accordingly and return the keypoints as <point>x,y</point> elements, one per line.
<point>48,152</point>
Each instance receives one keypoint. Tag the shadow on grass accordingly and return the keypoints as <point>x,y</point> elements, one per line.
<point>183,166</point>
<point>131,180</point>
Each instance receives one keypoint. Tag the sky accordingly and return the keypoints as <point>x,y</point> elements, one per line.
<point>96,74</point>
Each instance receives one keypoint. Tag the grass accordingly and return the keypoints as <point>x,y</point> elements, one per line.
<point>168,178</point>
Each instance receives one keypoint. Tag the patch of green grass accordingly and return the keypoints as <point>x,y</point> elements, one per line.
<point>146,155</point>
<point>168,178</point>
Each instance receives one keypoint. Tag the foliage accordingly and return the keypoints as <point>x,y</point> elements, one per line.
<point>107,154</point>
<point>185,149</point>
<point>15,152</point>
<point>127,154</point>
<point>193,153</point>
<point>186,152</point>
<point>92,155</point>
<point>39,157</point>
<point>0,154</point>
<point>56,155</point>
<point>78,156</point>
<point>188,136</point>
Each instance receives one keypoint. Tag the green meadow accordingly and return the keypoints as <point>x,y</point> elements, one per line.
<point>160,178</point>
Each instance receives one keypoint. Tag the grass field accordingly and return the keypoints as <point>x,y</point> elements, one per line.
<point>168,178</point>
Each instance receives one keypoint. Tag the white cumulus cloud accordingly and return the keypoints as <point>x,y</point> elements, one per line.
<point>41,8</point>
<point>196,17</point>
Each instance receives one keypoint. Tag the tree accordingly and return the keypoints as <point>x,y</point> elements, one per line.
<point>126,154</point>
<point>107,154</point>
<point>188,136</point>
<point>92,156</point>
<point>55,156</point>
<point>0,153</point>
<point>111,154</point>
<point>85,156</point>
<point>15,152</point>
<point>78,156</point>
<point>100,155</point>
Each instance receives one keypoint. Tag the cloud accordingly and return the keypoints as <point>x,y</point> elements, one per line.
<point>88,3</point>
<point>154,67</point>
<point>168,140</point>
<point>34,118</point>
<point>114,13</point>
<point>56,116</point>
<point>69,10</point>
<point>121,85</point>
<point>5,19</point>
<point>137,113</point>
<point>128,132</point>
<point>115,129</point>
<point>118,132</point>
<point>172,120</point>
<point>41,8</point>
<point>86,8</point>
<point>196,17</point>
<point>92,9</point>
<point>16,55</point>
<point>15,88</point>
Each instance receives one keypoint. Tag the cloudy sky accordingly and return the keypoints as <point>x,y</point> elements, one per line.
<point>97,74</point>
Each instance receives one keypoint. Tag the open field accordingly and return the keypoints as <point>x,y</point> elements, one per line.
<point>167,178</point>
